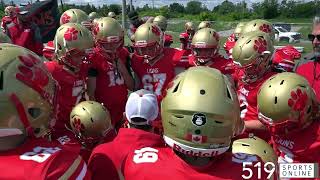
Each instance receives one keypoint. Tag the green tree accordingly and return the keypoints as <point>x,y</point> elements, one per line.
<point>194,7</point>
<point>225,7</point>
<point>115,8</point>
<point>164,11</point>
<point>176,8</point>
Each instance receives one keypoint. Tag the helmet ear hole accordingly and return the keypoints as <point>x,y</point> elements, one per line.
<point>34,112</point>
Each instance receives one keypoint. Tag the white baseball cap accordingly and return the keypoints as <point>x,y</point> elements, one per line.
<point>142,104</point>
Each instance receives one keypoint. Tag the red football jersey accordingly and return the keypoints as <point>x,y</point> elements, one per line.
<point>226,66</point>
<point>111,89</point>
<point>299,146</point>
<point>114,153</point>
<point>247,95</point>
<point>229,44</point>
<point>185,40</point>
<point>311,71</point>
<point>48,50</point>
<point>163,163</point>
<point>41,159</point>
<point>156,77</point>
<point>285,58</point>
<point>69,93</point>
<point>168,40</point>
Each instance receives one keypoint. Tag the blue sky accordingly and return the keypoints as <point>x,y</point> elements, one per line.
<point>209,3</point>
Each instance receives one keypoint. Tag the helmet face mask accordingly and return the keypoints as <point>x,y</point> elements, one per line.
<point>204,55</point>
<point>149,52</point>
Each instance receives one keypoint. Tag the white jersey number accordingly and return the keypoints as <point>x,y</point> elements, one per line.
<point>39,154</point>
<point>154,82</point>
<point>145,155</point>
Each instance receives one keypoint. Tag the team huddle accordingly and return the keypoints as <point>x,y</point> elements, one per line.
<point>85,106</point>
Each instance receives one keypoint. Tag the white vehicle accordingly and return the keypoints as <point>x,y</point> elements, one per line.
<point>282,34</point>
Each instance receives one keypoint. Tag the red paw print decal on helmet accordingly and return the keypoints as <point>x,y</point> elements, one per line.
<point>95,29</point>
<point>265,28</point>
<point>260,45</point>
<point>78,126</point>
<point>65,18</point>
<point>71,34</point>
<point>31,73</point>
<point>156,30</point>
<point>298,100</point>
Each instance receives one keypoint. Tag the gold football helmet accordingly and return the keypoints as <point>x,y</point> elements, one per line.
<point>253,51</point>
<point>93,15</point>
<point>148,41</point>
<point>112,15</point>
<point>190,28</point>
<point>108,34</point>
<point>73,16</point>
<point>161,21</point>
<point>255,146</point>
<point>259,25</point>
<point>71,43</point>
<point>204,24</point>
<point>238,30</point>
<point>4,38</point>
<point>10,11</point>
<point>27,92</point>
<point>200,116</point>
<point>90,122</point>
<point>284,100</point>
<point>205,45</point>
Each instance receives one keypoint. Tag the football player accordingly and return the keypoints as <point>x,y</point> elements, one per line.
<point>27,94</point>
<point>231,41</point>
<point>200,116</point>
<point>161,21</point>
<point>10,16</point>
<point>112,15</point>
<point>141,110</point>
<point>186,37</point>
<point>205,52</point>
<point>90,122</point>
<point>69,16</point>
<point>72,43</point>
<point>286,104</point>
<point>153,64</point>
<point>253,51</point>
<point>109,78</point>
<point>93,15</point>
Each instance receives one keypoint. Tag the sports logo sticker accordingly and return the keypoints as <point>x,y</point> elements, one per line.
<point>199,119</point>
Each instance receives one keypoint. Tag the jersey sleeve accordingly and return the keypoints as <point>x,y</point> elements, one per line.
<point>67,165</point>
<point>100,165</point>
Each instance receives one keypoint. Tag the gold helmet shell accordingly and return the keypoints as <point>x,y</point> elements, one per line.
<point>90,121</point>
<point>108,30</point>
<point>255,146</point>
<point>10,11</point>
<point>189,26</point>
<point>73,16</point>
<point>253,51</point>
<point>161,21</point>
<point>238,29</point>
<point>4,38</point>
<point>285,98</point>
<point>259,25</point>
<point>27,92</point>
<point>112,15</point>
<point>200,117</point>
<point>148,37</point>
<point>204,24</point>
<point>93,15</point>
<point>71,39</point>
